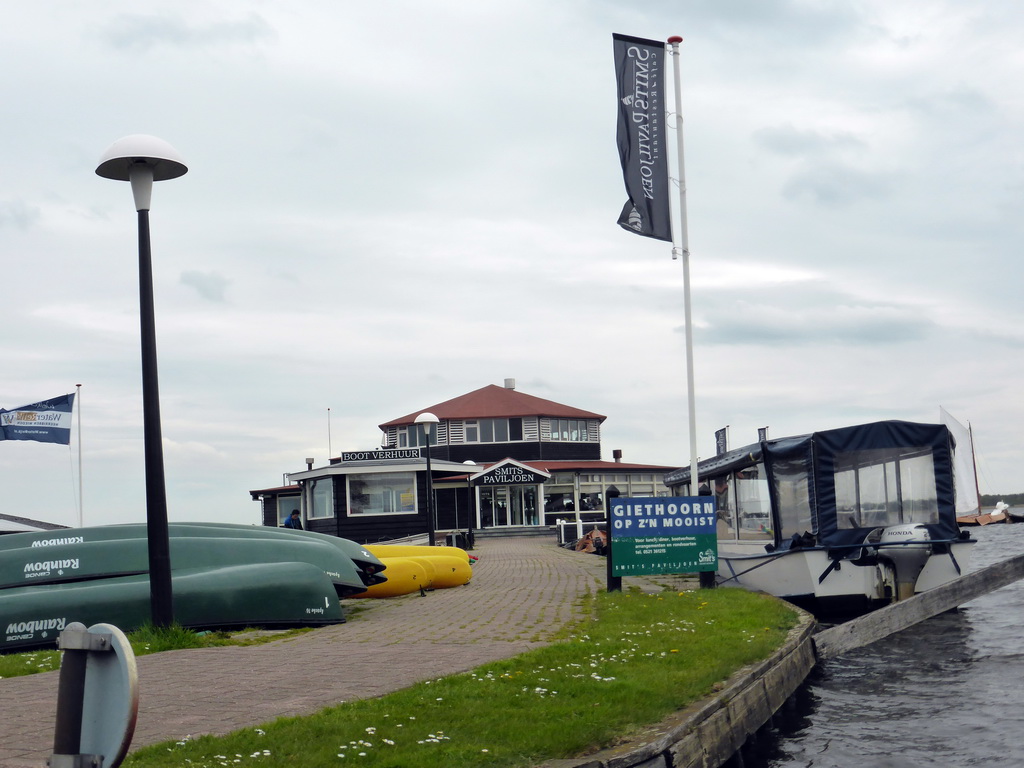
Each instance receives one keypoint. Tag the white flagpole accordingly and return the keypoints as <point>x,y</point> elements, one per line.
<point>81,504</point>
<point>684,248</point>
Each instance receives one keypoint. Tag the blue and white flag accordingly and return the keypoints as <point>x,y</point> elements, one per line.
<point>48,421</point>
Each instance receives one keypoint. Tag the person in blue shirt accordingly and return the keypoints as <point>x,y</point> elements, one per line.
<point>294,521</point>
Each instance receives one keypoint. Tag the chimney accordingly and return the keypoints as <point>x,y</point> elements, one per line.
<point>309,464</point>
<point>617,455</point>
<point>510,383</point>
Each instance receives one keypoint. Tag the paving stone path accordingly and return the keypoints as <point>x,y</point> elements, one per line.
<point>524,590</point>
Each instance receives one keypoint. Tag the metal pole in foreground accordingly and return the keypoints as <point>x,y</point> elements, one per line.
<point>81,503</point>
<point>684,248</point>
<point>67,731</point>
<point>706,579</point>
<point>614,583</point>
<point>97,698</point>
<point>158,537</point>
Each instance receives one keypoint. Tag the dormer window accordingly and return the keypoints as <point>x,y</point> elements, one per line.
<point>412,437</point>
<point>569,430</point>
<point>493,430</point>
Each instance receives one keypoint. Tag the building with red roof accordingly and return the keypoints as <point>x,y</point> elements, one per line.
<point>493,423</point>
<point>500,459</point>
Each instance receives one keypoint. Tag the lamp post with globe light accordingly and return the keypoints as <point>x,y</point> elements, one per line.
<point>141,160</point>
<point>429,421</point>
<point>470,505</point>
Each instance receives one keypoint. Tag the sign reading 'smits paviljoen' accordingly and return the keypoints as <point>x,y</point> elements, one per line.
<point>663,535</point>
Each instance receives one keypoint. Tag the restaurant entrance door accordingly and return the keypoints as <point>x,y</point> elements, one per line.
<point>507,505</point>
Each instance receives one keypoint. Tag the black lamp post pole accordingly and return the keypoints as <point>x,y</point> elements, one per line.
<point>141,160</point>
<point>162,611</point>
<point>430,496</point>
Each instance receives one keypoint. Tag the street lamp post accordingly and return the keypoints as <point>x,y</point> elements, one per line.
<point>428,420</point>
<point>141,160</point>
<point>471,505</point>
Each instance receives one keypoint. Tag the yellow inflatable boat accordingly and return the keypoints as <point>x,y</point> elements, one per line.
<point>411,568</point>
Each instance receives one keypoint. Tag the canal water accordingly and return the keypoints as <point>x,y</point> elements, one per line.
<point>946,693</point>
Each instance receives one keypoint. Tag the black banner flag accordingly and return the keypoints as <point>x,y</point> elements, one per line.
<point>722,441</point>
<point>640,79</point>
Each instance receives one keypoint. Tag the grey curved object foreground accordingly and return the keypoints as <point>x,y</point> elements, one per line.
<point>708,733</point>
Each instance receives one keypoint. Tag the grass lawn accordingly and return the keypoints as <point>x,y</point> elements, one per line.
<point>641,658</point>
<point>144,641</point>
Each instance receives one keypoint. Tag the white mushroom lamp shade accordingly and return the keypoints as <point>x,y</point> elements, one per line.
<point>141,159</point>
<point>428,420</point>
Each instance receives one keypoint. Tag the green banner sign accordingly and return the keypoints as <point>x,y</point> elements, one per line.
<point>663,535</point>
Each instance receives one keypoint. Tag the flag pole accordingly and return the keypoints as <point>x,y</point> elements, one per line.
<point>81,503</point>
<point>684,248</point>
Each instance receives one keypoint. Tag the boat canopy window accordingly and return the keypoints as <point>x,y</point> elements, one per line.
<point>753,507</point>
<point>792,489</point>
<point>742,504</point>
<point>882,487</point>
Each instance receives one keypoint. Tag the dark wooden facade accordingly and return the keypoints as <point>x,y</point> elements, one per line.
<point>453,506</point>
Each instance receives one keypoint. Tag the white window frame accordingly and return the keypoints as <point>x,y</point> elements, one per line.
<point>285,505</point>
<point>312,513</point>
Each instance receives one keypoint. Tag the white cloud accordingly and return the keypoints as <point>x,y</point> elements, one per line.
<point>209,285</point>
<point>136,32</point>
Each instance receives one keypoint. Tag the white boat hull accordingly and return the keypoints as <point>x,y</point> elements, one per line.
<point>808,577</point>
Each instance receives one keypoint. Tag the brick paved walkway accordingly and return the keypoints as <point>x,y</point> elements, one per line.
<point>523,589</point>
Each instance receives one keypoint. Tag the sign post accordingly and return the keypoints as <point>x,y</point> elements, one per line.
<point>97,697</point>
<point>661,535</point>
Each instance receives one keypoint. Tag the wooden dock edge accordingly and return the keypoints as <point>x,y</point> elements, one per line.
<point>708,733</point>
<point>898,616</point>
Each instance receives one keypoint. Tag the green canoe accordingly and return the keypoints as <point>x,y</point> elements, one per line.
<point>287,594</point>
<point>368,566</point>
<point>124,557</point>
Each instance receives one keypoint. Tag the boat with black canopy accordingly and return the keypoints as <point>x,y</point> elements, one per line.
<point>840,521</point>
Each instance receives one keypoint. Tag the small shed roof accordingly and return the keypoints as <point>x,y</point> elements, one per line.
<point>15,524</point>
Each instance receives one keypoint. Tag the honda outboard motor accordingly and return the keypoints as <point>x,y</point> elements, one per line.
<point>908,547</point>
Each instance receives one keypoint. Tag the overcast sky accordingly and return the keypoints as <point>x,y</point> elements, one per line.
<point>390,204</point>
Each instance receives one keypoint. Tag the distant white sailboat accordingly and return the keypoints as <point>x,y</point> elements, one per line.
<point>968,496</point>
